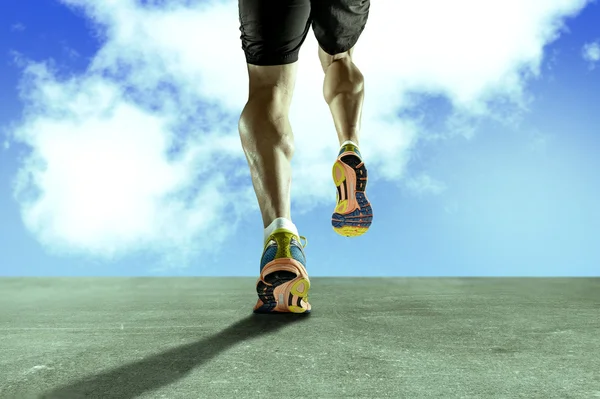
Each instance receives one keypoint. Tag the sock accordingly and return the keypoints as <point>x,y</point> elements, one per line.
<point>280,223</point>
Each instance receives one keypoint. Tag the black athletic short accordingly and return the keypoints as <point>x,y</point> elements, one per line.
<point>274,30</point>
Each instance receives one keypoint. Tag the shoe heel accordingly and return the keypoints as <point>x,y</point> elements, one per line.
<point>300,290</point>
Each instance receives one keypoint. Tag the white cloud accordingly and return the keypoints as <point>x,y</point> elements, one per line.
<point>591,53</point>
<point>142,150</point>
<point>18,27</point>
<point>425,184</point>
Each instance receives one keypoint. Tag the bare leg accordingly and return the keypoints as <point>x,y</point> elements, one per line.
<point>343,89</point>
<point>267,137</point>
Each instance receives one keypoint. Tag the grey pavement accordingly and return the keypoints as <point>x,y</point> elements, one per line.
<point>122,338</point>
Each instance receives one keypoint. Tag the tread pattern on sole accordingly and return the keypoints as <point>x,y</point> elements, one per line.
<point>265,290</point>
<point>359,168</point>
<point>358,221</point>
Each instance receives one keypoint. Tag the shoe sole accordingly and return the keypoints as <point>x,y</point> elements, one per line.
<point>282,295</point>
<point>353,213</point>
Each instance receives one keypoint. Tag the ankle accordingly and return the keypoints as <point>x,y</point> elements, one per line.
<point>279,223</point>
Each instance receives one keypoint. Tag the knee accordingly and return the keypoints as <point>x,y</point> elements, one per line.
<point>342,77</point>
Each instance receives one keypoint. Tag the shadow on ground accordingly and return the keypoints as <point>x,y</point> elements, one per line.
<point>154,372</point>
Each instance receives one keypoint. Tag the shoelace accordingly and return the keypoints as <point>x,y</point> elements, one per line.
<point>305,241</point>
<point>301,238</point>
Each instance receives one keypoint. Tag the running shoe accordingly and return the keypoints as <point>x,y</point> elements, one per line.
<point>283,283</point>
<point>353,214</point>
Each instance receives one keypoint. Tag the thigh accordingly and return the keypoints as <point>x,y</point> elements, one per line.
<point>272,31</point>
<point>339,23</point>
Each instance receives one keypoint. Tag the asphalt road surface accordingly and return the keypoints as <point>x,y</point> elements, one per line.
<point>122,338</point>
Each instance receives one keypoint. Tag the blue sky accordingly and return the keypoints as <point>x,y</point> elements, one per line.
<point>119,152</point>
